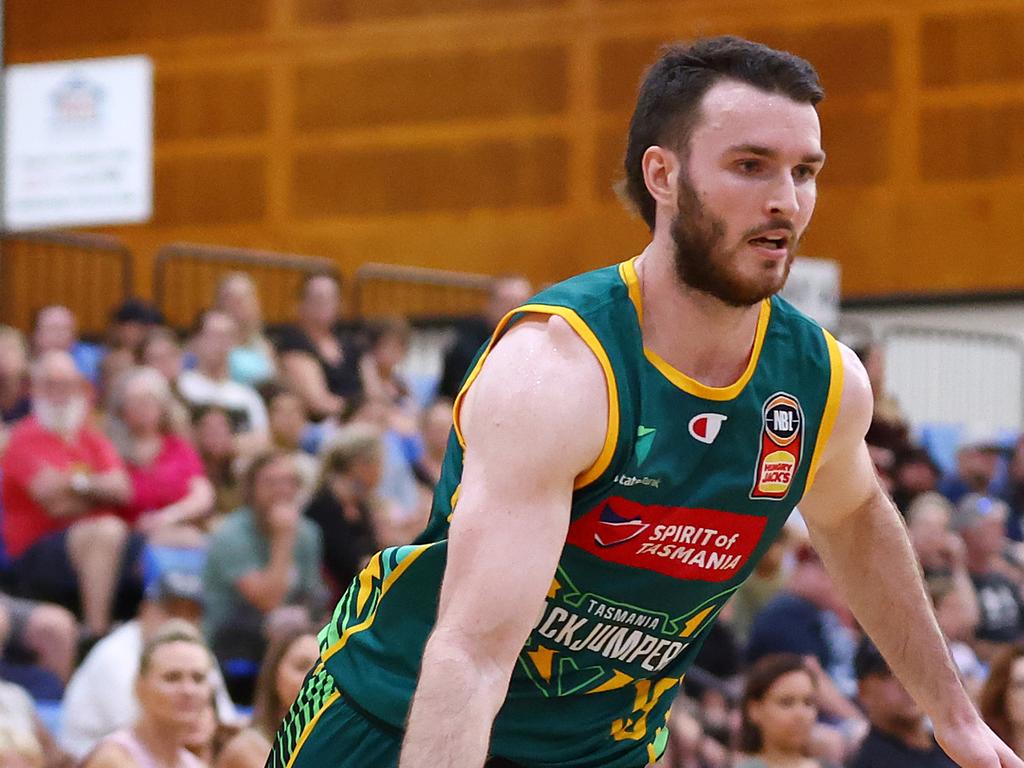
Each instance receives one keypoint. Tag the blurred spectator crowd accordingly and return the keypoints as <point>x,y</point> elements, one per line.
<point>180,511</point>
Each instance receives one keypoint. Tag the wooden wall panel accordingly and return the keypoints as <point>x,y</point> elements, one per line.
<point>973,48</point>
<point>341,11</point>
<point>460,85</point>
<point>32,24</point>
<point>210,103</point>
<point>209,189</point>
<point>852,59</point>
<point>485,135</point>
<point>970,143</point>
<point>453,178</point>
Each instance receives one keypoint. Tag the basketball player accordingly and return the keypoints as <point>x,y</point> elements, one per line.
<point>624,451</point>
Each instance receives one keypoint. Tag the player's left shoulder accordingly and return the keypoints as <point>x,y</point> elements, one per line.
<point>856,402</point>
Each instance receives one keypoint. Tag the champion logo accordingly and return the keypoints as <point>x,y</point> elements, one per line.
<point>706,426</point>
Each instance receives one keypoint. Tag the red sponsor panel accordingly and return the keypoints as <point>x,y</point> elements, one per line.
<point>680,542</point>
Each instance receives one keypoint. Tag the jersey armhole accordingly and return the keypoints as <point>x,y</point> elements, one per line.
<point>835,395</point>
<point>582,330</point>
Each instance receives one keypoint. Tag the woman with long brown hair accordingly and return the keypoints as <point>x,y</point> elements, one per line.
<point>289,657</point>
<point>779,711</point>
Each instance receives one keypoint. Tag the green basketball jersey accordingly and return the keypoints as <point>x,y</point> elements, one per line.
<point>692,486</point>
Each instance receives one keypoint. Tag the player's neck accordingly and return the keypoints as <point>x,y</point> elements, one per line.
<point>694,332</point>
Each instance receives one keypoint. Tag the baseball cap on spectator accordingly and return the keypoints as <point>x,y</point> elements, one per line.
<point>176,585</point>
<point>869,661</point>
<point>137,311</point>
<point>975,508</point>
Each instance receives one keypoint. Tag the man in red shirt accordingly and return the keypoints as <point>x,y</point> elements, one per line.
<point>61,479</point>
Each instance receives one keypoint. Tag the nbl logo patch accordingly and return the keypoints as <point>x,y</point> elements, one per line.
<point>782,437</point>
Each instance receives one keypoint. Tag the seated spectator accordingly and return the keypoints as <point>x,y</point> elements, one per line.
<point>507,293</point>
<point>899,734</point>
<point>24,740</point>
<point>317,361</point>
<point>958,621</point>
<point>263,558</point>
<point>388,341</point>
<point>1002,698</point>
<point>56,330</point>
<point>915,473</point>
<point>353,519</point>
<point>779,711</point>
<point>172,689</point>
<point>130,324</point>
<point>803,619</point>
<point>767,580</point>
<point>981,521</point>
<point>211,430</point>
<point>942,552</point>
<point>162,351</point>
<point>209,383</point>
<point>115,363</point>
<point>252,359</point>
<point>401,448</point>
<point>43,634</point>
<point>62,481</point>
<point>288,425</point>
<point>14,401</point>
<point>1014,491</point>
<point>100,699</point>
<point>171,496</point>
<point>977,467</point>
<point>435,428</point>
<point>289,659</point>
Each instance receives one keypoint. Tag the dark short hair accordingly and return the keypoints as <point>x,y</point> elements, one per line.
<point>760,678</point>
<point>668,104</point>
<point>868,661</point>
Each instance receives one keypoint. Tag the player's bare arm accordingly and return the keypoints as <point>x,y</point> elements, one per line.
<point>863,543</point>
<point>534,419</point>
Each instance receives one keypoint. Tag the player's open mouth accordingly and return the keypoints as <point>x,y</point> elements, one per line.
<point>773,242</point>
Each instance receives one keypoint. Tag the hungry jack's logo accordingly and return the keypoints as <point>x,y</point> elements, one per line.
<point>782,434</point>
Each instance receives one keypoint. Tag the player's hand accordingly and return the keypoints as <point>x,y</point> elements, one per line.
<point>974,745</point>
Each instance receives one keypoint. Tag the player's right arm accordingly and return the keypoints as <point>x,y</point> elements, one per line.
<point>534,419</point>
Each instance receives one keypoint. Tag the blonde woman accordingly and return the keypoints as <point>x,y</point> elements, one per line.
<point>173,690</point>
<point>252,361</point>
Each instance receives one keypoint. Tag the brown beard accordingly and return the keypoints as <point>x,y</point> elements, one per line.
<point>703,263</point>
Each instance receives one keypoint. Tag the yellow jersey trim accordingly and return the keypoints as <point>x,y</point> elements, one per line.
<point>835,395</point>
<point>627,270</point>
<point>582,330</point>
<point>309,727</point>
<point>365,578</point>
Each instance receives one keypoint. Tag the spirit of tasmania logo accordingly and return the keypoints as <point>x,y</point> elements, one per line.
<point>782,438</point>
<point>680,542</point>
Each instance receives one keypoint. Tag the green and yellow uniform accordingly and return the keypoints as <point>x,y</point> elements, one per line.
<point>692,486</point>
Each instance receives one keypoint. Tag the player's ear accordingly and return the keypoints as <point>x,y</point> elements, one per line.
<point>661,167</point>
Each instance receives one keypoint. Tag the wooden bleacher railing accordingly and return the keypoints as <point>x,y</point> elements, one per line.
<point>88,273</point>
<point>419,293</point>
<point>185,279</point>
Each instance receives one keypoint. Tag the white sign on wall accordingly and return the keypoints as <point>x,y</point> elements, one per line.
<point>813,288</point>
<point>79,143</point>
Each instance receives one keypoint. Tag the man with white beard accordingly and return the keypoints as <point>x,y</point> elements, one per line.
<point>61,480</point>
